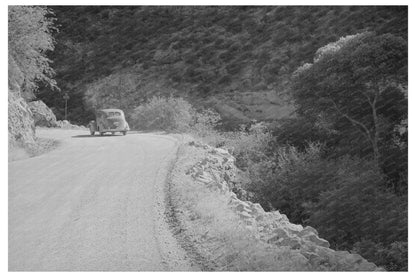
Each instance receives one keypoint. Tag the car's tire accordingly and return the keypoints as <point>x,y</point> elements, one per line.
<point>92,133</point>
<point>124,133</point>
<point>112,133</point>
<point>101,133</point>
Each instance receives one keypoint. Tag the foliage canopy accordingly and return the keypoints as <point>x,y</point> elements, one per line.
<point>30,39</point>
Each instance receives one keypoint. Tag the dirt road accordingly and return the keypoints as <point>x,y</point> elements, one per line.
<point>94,203</point>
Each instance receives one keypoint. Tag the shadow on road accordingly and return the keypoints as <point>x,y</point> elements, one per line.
<point>132,132</point>
<point>96,136</point>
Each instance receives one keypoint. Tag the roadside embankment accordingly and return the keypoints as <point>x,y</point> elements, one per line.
<point>39,145</point>
<point>226,233</point>
<point>23,120</point>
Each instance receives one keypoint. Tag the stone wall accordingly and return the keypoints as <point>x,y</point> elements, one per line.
<point>217,171</point>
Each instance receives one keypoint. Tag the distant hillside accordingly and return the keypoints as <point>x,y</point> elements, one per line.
<point>235,59</point>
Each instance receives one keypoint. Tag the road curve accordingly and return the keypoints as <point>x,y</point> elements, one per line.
<point>93,204</point>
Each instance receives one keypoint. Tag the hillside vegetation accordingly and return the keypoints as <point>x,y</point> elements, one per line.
<point>220,57</point>
<point>340,165</point>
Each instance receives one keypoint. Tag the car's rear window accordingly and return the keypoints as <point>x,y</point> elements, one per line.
<point>114,114</point>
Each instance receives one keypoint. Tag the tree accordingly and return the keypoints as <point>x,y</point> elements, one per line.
<point>354,79</point>
<point>30,38</point>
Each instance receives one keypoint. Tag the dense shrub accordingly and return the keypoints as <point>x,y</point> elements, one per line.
<point>249,145</point>
<point>167,114</point>
<point>300,131</point>
<point>291,180</point>
<point>359,215</point>
<point>357,208</point>
<point>204,127</point>
<point>392,256</point>
<point>344,199</point>
<point>176,114</point>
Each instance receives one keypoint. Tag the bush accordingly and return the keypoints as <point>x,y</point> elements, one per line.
<point>299,131</point>
<point>344,199</point>
<point>204,128</point>
<point>358,213</point>
<point>176,114</point>
<point>356,208</point>
<point>291,180</point>
<point>392,257</point>
<point>167,114</point>
<point>249,146</point>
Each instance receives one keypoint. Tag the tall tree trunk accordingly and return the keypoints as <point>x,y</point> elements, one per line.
<point>372,138</point>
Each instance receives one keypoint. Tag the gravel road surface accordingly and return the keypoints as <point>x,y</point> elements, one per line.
<point>93,204</point>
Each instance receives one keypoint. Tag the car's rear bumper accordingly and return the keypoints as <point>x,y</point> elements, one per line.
<point>114,130</point>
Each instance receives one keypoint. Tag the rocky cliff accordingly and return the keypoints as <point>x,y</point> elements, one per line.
<point>23,118</point>
<point>42,115</point>
<point>20,122</point>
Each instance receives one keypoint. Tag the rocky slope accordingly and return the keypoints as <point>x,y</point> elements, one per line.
<point>42,115</point>
<point>214,171</point>
<point>21,125</point>
<point>23,118</point>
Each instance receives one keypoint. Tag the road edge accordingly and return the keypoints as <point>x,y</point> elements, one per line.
<point>199,262</point>
<point>175,251</point>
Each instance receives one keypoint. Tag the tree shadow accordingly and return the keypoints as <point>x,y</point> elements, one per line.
<point>97,136</point>
<point>131,132</point>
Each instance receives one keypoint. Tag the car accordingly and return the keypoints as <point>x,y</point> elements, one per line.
<point>109,121</point>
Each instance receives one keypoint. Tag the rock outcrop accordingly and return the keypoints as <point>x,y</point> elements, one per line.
<point>42,115</point>
<point>21,125</point>
<point>218,172</point>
